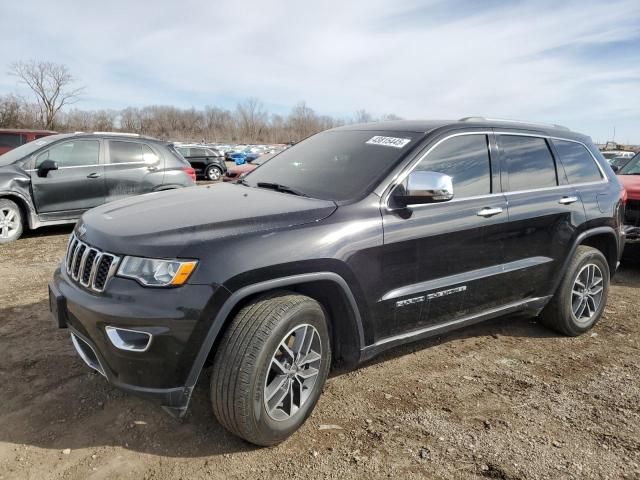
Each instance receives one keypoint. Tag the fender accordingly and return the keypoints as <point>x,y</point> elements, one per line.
<point>32,216</point>
<point>244,292</point>
<point>579,239</point>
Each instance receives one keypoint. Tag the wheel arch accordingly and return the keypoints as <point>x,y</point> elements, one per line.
<point>28,211</point>
<point>328,288</point>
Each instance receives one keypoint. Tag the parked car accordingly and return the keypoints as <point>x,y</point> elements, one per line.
<point>618,162</point>
<point>12,138</point>
<point>207,163</point>
<point>234,173</point>
<point>361,238</point>
<point>54,179</point>
<point>611,154</point>
<point>629,176</point>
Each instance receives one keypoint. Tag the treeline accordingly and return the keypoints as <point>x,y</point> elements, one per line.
<point>249,122</point>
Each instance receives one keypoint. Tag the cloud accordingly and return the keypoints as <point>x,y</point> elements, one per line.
<point>574,62</point>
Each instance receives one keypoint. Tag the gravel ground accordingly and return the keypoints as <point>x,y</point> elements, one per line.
<point>506,399</point>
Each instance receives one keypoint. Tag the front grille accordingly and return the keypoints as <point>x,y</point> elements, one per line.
<point>632,213</point>
<point>89,266</point>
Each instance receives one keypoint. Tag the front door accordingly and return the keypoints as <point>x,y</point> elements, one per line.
<point>77,184</point>
<point>442,261</point>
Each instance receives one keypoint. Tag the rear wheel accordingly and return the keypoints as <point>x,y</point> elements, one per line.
<point>213,173</point>
<point>10,221</point>
<point>270,367</point>
<point>580,300</point>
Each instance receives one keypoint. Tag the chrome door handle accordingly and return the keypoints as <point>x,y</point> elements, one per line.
<point>93,175</point>
<point>489,212</point>
<point>567,200</point>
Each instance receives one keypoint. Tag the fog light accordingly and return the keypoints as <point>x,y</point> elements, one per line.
<point>129,340</point>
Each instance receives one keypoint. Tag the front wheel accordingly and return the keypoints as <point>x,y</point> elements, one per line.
<point>582,295</point>
<point>10,221</point>
<point>213,173</point>
<point>270,367</point>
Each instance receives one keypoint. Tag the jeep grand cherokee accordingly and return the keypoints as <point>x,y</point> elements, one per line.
<point>353,241</point>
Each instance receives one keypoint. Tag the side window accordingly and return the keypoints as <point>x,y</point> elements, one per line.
<point>76,153</point>
<point>578,163</point>
<point>465,159</point>
<point>12,140</point>
<point>148,155</point>
<point>528,162</point>
<point>183,151</point>
<point>198,152</point>
<point>125,152</point>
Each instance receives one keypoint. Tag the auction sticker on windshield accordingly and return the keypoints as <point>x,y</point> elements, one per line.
<point>388,141</point>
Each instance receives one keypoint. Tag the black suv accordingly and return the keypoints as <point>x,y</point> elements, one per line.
<point>353,241</point>
<point>207,162</point>
<point>54,179</point>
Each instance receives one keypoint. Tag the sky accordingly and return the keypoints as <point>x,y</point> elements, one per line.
<point>575,63</point>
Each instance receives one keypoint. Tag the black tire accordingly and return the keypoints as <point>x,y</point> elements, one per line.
<point>11,221</point>
<point>213,173</point>
<point>242,367</point>
<point>559,314</point>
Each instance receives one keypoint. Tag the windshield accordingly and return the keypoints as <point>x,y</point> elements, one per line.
<point>25,150</point>
<point>336,165</point>
<point>631,168</point>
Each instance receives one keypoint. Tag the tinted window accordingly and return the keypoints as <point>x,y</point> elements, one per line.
<point>125,152</point>
<point>578,163</point>
<point>198,152</point>
<point>528,161</point>
<point>466,160</point>
<point>336,165</point>
<point>76,153</point>
<point>11,140</point>
<point>631,168</point>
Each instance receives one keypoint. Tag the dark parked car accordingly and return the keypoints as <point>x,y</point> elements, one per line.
<point>54,179</point>
<point>208,163</point>
<point>618,163</point>
<point>12,138</point>
<point>361,238</point>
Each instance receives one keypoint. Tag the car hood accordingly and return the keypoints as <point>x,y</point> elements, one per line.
<point>163,224</point>
<point>631,184</point>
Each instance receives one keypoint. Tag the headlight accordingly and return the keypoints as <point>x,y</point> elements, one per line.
<point>157,273</point>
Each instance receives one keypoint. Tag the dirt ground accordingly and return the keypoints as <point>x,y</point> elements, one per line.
<point>506,399</point>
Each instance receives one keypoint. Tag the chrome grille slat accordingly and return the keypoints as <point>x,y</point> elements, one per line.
<point>84,261</point>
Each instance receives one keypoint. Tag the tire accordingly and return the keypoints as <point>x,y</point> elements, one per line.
<point>11,222</point>
<point>213,173</point>
<point>244,377</point>
<point>570,311</point>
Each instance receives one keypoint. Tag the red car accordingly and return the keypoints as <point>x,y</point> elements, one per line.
<point>11,138</point>
<point>234,173</point>
<point>629,176</point>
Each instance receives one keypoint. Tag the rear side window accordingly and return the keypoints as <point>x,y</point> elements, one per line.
<point>125,152</point>
<point>12,140</point>
<point>466,160</point>
<point>198,152</point>
<point>578,163</point>
<point>76,153</point>
<point>528,162</point>
<point>148,155</point>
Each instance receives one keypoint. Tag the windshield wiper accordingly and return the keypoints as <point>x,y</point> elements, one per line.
<point>278,187</point>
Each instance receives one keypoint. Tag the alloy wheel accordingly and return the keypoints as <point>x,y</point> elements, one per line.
<point>214,173</point>
<point>587,291</point>
<point>9,222</point>
<point>293,372</point>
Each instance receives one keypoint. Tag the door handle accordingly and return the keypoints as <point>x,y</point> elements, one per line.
<point>567,200</point>
<point>93,175</point>
<point>489,212</point>
<point>151,168</point>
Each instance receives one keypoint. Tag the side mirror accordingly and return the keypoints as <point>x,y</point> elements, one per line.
<point>45,167</point>
<point>615,168</point>
<point>424,187</point>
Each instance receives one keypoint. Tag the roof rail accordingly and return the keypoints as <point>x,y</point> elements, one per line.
<point>124,134</point>
<point>484,119</point>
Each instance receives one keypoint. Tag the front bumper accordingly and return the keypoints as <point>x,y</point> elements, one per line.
<point>177,319</point>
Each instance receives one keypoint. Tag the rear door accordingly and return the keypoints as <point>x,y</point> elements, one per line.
<point>442,261</point>
<point>198,159</point>
<point>77,185</point>
<point>544,214</point>
<point>133,168</point>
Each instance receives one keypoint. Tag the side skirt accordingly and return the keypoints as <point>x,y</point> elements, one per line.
<point>530,305</point>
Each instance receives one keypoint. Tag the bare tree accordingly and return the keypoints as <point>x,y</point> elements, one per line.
<point>362,116</point>
<point>52,83</point>
<point>252,118</point>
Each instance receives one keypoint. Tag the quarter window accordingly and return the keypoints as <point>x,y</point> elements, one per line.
<point>466,160</point>
<point>76,153</point>
<point>528,162</point>
<point>125,152</point>
<point>578,163</point>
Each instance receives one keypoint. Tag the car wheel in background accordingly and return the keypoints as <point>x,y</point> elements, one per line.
<point>10,221</point>
<point>213,173</point>
<point>270,367</point>
<point>582,295</point>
